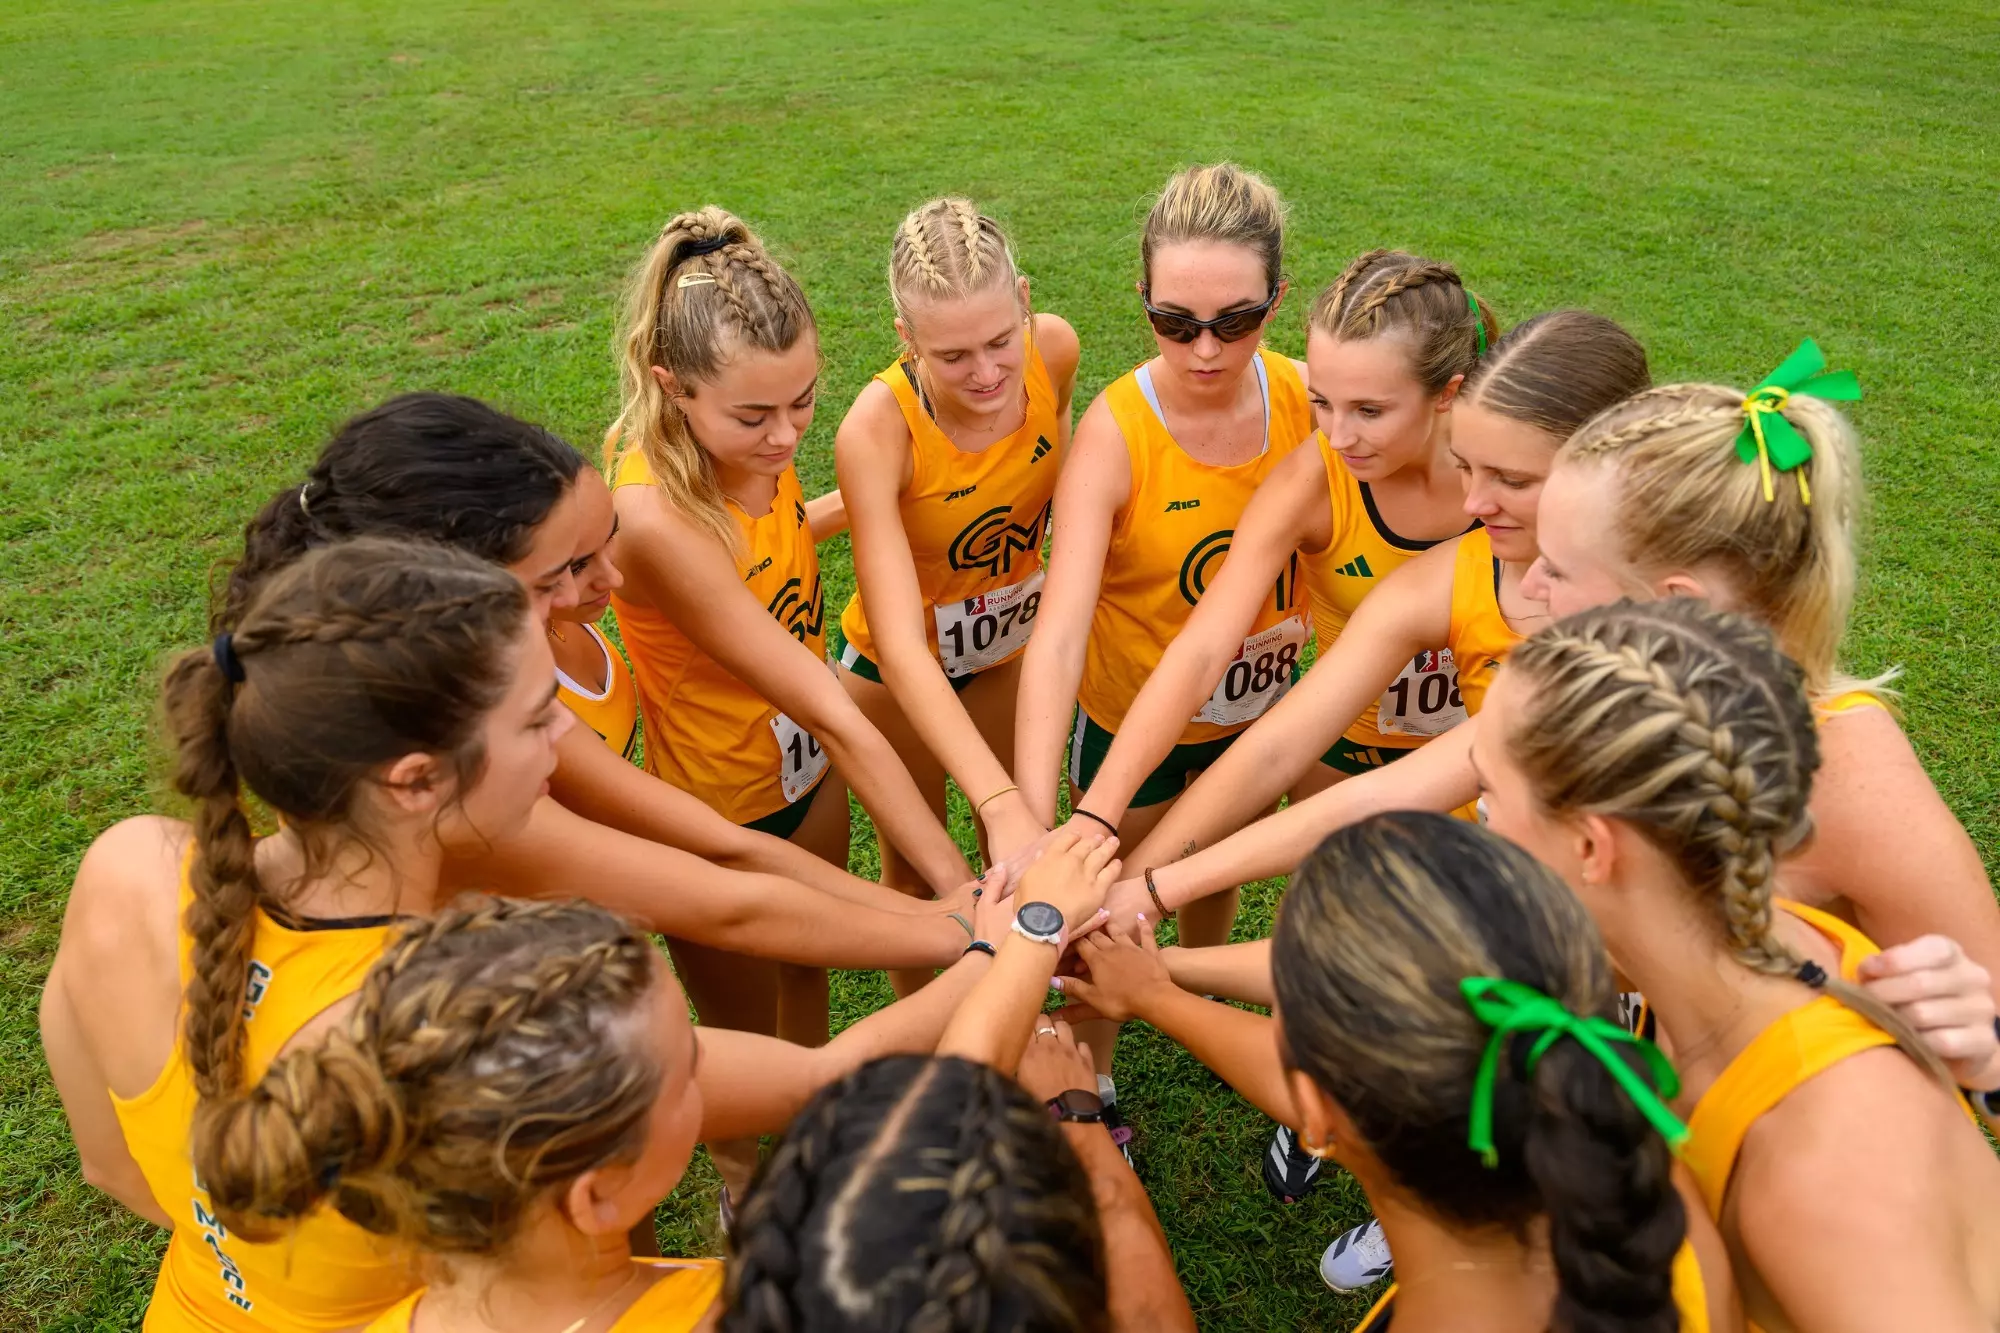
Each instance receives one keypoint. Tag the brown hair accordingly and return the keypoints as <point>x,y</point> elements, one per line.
<point>687,306</point>
<point>1686,500</point>
<point>347,659</point>
<point>1391,291</point>
<point>1557,370</point>
<point>946,249</point>
<point>1691,725</point>
<point>1222,202</point>
<point>919,1193</point>
<point>493,1054</point>
<point>1380,925</point>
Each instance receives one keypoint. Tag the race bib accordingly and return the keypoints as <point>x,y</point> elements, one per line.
<point>1259,676</point>
<point>1424,701</point>
<point>975,633</point>
<point>800,760</point>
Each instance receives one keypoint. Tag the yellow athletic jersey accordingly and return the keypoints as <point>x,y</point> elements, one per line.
<point>1362,551</point>
<point>975,523</point>
<point>613,712</point>
<point>1846,702</point>
<point>1690,1298</point>
<point>706,731</point>
<point>1480,637</point>
<point>329,1273</point>
<point>1170,536</point>
<point>674,1303</point>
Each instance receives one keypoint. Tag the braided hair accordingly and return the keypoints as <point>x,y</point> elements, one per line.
<point>1218,202</point>
<point>491,1056</point>
<point>1380,925</point>
<point>1692,725</point>
<point>922,1195</point>
<point>350,658</point>
<point>1393,292</point>
<point>427,466</point>
<point>706,287</point>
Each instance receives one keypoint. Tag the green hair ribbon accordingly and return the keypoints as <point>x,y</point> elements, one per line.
<point>1770,441</point>
<point>1478,324</point>
<point>1509,1007</point>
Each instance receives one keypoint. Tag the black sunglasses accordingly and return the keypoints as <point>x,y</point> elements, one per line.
<point>1232,326</point>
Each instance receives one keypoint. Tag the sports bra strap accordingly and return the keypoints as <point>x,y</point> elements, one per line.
<point>1144,377</point>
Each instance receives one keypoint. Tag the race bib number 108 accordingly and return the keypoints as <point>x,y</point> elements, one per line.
<point>1425,700</point>
<point>800,760</point>
<point>976,632</point>
<point>1259,676</point>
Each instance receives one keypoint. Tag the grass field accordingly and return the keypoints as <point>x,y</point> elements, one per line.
<point>223,227</point>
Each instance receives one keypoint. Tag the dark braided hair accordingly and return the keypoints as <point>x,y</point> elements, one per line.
<point>1421,300</point>
<point>432,466</point>
<point>924,1195</point>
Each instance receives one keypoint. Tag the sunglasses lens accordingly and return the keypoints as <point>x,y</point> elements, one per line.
<point>1174,328</point>
<point>1236,327</point>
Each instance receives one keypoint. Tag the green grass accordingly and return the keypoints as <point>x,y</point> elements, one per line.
<point>225,226</point>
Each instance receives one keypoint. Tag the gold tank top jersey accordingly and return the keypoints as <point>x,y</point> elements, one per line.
<point>675,1303</point>
<point>975,523</point>
<point>1480,637</point>
<point>706,731</point>
<point>1425,699</point>
<point>1689,1288</point>
<point>1167,541</point>
<point>613,712</point>
<point>329,1274</point>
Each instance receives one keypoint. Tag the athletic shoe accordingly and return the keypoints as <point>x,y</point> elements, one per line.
<point>725,1212</point>
<point>1114,1119</point>
<point>1290,1172</point>
<point>1358,1259</point>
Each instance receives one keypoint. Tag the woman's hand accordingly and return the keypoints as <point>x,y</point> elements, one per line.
<point>1947,998</point>
<point>1012,831</point>
<point>1123,973</point>
<point>1055,1061</point>
<point>992,914</point>
<point>1072,875</point>
<point>1125,904</point>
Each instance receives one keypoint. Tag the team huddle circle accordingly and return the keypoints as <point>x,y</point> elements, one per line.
<point>517,791</point>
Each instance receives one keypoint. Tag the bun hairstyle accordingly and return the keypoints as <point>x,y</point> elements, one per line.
<point>1393,292</point>
<point>494,1053</point>
<point>1378,928</point>
<point>1557,370</point>
<point>946,249</point>
<point>923,1194</point>
<point>349,658</point>
<point>1691,725</point>
<point>707,285</point>
<point>1222,202</point>
<point>1685,500</point>
<point>435,467</point>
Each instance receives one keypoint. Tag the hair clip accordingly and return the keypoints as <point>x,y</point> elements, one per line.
<point>694,279</point>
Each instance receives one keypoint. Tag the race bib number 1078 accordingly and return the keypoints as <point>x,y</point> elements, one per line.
<point>976,632</point>
<point>1259,676</point>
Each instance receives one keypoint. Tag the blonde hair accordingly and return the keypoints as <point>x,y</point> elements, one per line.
<point>494,1053</point>
<point>1392,291</point>
<point>1221,202</point>
<point>707,281</point>
<point>943,250</point>
<point>1691,725</point>
<point>1685,500</point>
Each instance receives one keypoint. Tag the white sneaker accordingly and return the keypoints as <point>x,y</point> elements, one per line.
<point>1359,1258</point>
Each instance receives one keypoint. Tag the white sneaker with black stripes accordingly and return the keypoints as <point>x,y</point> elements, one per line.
<point>1359,1258</point>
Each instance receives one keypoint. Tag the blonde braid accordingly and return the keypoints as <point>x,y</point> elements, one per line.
<point>968,231</point>
<point>1392,291</point>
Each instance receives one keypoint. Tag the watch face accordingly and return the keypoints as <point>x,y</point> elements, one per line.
<point>1077,1102</point>
<point>1040,919</point>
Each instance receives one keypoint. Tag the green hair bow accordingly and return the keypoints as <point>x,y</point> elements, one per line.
<point>1770,441</point>
<point>1509,1007</point>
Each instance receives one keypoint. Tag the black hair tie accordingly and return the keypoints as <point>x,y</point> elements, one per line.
<point>231,665</point>
<point>695,249</point>
<point>1812,974</point>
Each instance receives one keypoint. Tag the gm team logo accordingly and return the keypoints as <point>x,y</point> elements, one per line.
<point>801,614</point>
<point>1203,559</point>
<point>991,541</point>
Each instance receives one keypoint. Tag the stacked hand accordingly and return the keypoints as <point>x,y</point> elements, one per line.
<point>1072,875</point>
<point>1122,975</point>
<point>1055,1061</point>
<point>1947,998</point>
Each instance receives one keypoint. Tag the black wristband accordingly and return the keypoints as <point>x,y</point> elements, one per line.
<point>1098,818</point>
<point>981,946</point>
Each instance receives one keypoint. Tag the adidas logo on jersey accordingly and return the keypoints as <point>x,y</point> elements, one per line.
<point>801,511</point>
<point>1042,449</point>
<point>1175,506</point>
<point>1357,568</point>
<point>960,495</point>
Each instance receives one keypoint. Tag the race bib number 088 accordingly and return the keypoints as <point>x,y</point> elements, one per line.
<point>975,633</point>
<point>1259,676</point>
<point>1425,700</point>
<point>800,760</point>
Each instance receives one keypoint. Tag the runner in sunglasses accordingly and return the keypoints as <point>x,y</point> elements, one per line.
<point>1162,466</point>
